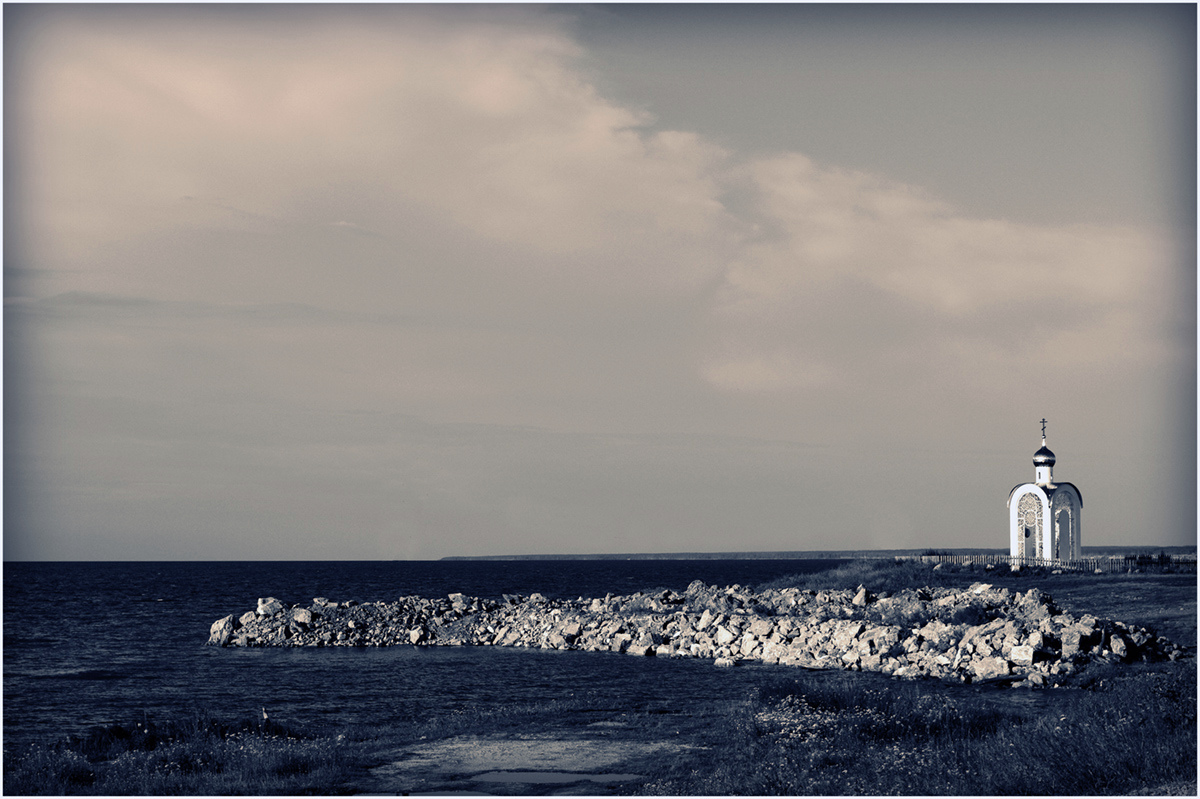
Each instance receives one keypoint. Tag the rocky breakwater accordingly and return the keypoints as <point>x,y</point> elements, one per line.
<point>982,633</point>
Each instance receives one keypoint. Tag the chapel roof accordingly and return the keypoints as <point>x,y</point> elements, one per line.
<point>1043,457</point>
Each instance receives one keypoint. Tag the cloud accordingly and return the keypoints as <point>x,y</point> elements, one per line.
<point>840,251</point>
<point>485,126</point>
<point>405,273</point>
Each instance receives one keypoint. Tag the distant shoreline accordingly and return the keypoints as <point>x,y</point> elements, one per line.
<point>841,554</point>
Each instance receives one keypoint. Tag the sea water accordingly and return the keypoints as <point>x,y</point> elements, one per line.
<point>90,644</point>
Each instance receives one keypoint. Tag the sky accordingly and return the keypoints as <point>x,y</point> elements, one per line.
<point>406,282</point>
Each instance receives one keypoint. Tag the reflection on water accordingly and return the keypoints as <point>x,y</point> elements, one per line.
<point>534,777</point>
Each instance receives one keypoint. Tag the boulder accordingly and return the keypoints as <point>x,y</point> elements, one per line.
<point>1022,655</point>
<point>724,636</point>
<point>762,628</point>
<point>1070,643</point>
<point>221,630</point>
<point>269,606</point>
<point>302,616</point>
<point>846,635</point>
<point>988,668</point>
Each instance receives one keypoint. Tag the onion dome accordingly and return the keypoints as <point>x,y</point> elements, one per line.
<point>1043,457</point>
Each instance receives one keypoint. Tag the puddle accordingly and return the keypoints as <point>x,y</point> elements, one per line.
<point>472,761</point>
<point>551,777</point>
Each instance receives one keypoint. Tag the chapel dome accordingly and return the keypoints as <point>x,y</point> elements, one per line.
<point>1043,457</point>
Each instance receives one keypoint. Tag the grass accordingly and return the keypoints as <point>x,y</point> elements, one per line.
<point>1120,733</point>
<point>199,755</point>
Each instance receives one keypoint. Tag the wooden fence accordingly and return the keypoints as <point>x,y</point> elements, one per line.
<point>1109,564</point>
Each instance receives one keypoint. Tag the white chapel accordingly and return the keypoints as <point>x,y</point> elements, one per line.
<point>1044,516</point>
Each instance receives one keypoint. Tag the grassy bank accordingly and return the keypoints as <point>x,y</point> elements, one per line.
<point>1125,731</point>
<point>194,756</point>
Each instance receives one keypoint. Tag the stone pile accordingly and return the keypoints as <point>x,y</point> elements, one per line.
<point>981,633</point>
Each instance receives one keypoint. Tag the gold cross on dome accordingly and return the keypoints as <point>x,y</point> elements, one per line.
<point>1043,428</point>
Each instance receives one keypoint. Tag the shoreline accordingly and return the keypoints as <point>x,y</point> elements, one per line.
<point>1183,554</point>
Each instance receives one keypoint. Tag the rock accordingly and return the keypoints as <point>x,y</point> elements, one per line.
<point>1070,643</point>
<point>221,630</point>
<point>762,628</point>
<point>1022,655</point>
<point>724,636</point>
<point>847,634</point>
<point>824,629</point>
<point>723,663</point>
<point>988,668</point>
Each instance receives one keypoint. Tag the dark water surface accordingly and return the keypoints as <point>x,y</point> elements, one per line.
<point>102,643</point>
